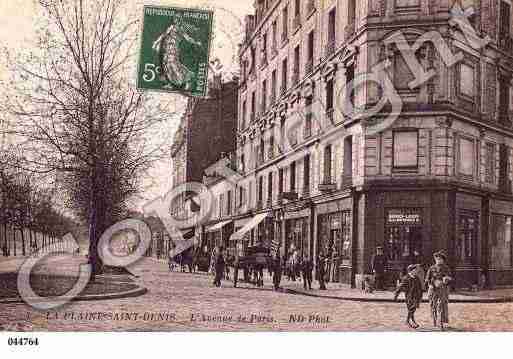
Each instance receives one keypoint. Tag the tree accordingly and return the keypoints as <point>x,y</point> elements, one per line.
<point>77,110</point>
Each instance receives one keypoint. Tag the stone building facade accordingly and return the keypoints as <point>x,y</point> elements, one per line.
<point>438,177</point>
<point>207,130</point>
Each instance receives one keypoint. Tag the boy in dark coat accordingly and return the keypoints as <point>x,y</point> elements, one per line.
<point>412,288</point>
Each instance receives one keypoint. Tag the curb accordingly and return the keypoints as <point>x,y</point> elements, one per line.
<point>400,300</point>
<point>119,295</point>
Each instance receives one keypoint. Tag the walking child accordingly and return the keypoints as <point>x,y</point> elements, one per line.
<point>412,288</point>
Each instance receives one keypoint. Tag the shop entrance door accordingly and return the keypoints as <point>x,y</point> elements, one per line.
<point>401,242</point>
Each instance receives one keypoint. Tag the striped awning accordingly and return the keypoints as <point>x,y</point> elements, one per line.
<point>217,226</point>
<point>248,226</point>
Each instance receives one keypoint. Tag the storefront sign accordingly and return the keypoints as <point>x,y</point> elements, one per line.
<point>404,216</point>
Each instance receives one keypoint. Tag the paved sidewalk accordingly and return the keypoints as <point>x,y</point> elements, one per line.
<point>345,292</point>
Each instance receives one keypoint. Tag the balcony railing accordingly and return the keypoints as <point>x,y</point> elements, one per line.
<point>347,180</point>
<point>309,67</point>
<point>330,48</point>
<point>259,205</point>
<point>283,90</point>
<point>327,186</point>
<point>505,120</point>
<point>306,190</point>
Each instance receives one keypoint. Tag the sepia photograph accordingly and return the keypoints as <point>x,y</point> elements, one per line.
<point>298,166</point>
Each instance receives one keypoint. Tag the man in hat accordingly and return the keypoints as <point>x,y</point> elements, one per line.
<point>437,280</point>
<point>378,267</point>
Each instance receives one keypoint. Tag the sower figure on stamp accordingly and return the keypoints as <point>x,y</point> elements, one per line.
<point>379,266</point>
<point>437,280</point>
<point>412,288</point>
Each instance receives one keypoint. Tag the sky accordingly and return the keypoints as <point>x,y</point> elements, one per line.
<point>18,17</point>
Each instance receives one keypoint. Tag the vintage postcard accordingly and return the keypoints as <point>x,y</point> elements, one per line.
<point>256,166</point>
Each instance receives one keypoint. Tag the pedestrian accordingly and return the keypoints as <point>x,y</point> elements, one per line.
<point>219,267</point>
<point>379,267</point>
<point>235,269</point>
<point>437,281</point>
<point>421,271</point>
<point>307,269</point>
<point>277,269</point>
<point>211,268</point>
<point>321,271</point>
<point>412,288</point>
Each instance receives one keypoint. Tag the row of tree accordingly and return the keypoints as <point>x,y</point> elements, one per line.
<point>28,215</point>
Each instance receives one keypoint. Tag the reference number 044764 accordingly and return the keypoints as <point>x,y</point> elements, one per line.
<point>22,341</point>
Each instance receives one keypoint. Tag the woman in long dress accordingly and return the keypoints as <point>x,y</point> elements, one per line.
<point>437,281</point>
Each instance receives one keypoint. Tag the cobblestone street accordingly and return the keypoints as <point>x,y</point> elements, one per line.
<point>183,302</point>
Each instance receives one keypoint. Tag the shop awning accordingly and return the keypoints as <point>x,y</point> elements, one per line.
<point>248,227</point>
<point>217,226</point>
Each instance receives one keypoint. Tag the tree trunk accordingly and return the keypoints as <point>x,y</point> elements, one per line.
<point>23,251</point>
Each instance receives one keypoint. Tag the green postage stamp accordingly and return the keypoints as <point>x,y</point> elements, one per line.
<point>175,48</point>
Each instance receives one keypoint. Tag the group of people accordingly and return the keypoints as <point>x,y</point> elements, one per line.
<point>436,281</point>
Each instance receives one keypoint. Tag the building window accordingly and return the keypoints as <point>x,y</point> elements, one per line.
<point>504,169</point>
<point>273,87</point>
<point>242,163</point>
<point>229,203</point>
<point>306,175</point>
<point>328,157</point>
<point>310,47</point>
<point>405,149</point>
<point>293,176</point>
<point>504,92</point>
<point>308,117</point>
<point>466,242</point>
<point>285,33</point>
<point>467,158</point>
<point>280,182</point>
<point>332,25</point>
<point>270,188</point>
<point>260,189</point>
<point>500,241</point>
<point>407,5</point>
<point>490,163</point>
<point>296,65</point>
<point>347,178</point>
<point>467,81</point>
<point>241,196</point>
<point>330,94</point>
<point>402,75</point>
<point>253,106</point>
<point>284,76</point>
<point>243,124</point>
<point>221,204</point>
<point>505,20</point>
<point>264,96</point>
<point>274,39</point>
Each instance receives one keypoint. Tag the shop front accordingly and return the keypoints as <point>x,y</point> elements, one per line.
<point>218,234</point>
<point>297,237</point>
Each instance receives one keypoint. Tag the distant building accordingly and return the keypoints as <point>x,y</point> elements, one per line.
<point>207,130</point>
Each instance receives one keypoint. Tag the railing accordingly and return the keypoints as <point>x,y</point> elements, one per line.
<point>283,89</point>
<point>327,186</point>
<point>309,67</point>
<point>306,190</point>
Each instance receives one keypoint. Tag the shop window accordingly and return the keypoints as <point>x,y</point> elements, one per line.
<point>297,237</point>
<point>334,238</point>
<point>467,158</point>
<point>405,149</point>
<point>500,241</point>
<point>466,242</point>
<point>403,234</point>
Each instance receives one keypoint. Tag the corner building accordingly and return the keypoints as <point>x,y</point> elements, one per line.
<point>438,178</point>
